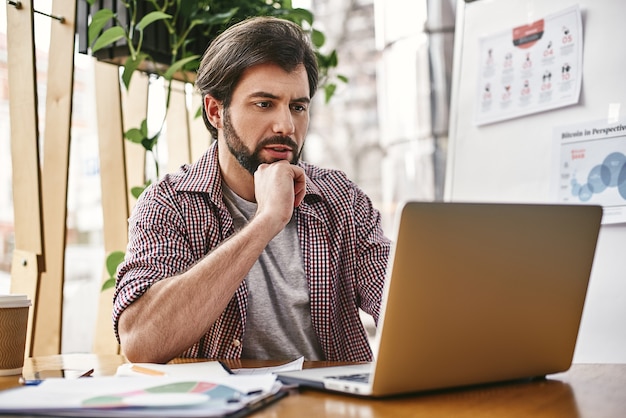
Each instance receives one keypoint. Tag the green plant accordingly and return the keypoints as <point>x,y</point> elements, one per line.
<point>190,26</point>
<point>113,260</point>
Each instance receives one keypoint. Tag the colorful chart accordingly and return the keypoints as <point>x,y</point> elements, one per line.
<point>169,395</point>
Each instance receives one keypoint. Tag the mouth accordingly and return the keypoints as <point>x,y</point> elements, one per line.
<point>278,152</point>
<point>278,148</point>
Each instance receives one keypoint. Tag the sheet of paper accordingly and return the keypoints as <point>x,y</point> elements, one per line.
<point>590,166</point>
<point>530,68</point>
<point>201,389</point>
<point>293,365</point>
<point>123,396</point>
<point>205,369</point>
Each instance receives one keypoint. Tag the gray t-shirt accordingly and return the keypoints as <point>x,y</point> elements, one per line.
<point>278,323</point>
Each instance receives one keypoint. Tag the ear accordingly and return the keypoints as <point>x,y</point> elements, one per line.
<point>214,111</point>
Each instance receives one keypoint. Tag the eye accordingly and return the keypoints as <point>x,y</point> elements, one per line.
<point>263,105</point>
<point>298,108</point>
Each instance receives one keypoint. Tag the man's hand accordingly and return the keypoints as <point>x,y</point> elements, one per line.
<point>279,188</point>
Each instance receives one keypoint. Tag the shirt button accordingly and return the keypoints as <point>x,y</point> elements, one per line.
<point>236,343</point>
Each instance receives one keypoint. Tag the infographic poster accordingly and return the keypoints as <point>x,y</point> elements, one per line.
<point>592,166</point>
<point>530,68</point>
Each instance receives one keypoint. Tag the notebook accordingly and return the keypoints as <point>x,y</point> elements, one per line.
<point>476,293</point>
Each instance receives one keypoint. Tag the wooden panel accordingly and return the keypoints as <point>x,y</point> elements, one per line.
<point>114,188</point>
<point>25,273</point>
<point>198,132</point>
<point>26,267</point>
<point>24,128</point>
<point>178,144</point>
<point>135,109</point>
<point>117,179</point>
<point>54,181</point>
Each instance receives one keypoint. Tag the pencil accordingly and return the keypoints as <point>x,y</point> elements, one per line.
<point>145,370</point>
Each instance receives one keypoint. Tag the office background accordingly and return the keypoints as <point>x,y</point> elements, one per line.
<point>388,129</point>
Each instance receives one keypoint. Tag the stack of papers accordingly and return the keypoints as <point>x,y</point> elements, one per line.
<point>203,389</point>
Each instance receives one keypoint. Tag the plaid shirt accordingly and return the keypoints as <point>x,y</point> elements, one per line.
<point>182,218</point>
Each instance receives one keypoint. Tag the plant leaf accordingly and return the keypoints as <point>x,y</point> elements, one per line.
<point>149,143</point>
<point>138,190</point>
<point>150,18</point>
<point>317,38</point>
<point>332,59</point>
<point>220,18</point>
<point>300,15</point>
<point>329,90</point>
<point>130,66</point>
<point>144,127</point>
<point>98,20</point>
<point>108,37</point>
<point>135,135</point>
<point>178,65</point>
<point>113,260</point>
<point>108,283</point>
<point>187,8</point>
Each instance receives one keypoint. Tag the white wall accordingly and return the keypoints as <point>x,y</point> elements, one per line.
<point>511,160</point>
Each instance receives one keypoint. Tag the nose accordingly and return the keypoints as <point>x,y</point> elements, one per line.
<point>284,124</point>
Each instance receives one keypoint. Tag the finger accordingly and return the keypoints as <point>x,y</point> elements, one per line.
<point>299,186</point>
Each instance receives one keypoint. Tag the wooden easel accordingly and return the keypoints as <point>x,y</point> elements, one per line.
<point>38,258</point>
<point>40,189</point>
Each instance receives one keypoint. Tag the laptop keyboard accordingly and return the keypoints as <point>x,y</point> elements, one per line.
<point>357,377</point>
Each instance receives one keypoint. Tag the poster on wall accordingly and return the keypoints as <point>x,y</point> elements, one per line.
<point>591,167</point>
<point>530,68</point>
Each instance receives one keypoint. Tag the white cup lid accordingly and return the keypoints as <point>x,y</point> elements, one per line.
<point>14,301</point>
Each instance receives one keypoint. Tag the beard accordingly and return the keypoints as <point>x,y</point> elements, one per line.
<point>251,159</point>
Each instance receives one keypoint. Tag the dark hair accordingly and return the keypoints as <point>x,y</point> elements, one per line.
<point>258,40</point>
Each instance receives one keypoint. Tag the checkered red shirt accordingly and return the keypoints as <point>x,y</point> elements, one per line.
<point>182,218</point>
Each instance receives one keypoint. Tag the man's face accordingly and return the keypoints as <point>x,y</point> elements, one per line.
<point>268,116</point>
<point>251,159</point>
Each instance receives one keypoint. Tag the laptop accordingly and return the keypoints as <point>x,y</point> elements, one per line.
<point>476,293</point>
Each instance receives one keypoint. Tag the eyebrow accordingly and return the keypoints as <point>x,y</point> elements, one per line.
<point>267,95</point>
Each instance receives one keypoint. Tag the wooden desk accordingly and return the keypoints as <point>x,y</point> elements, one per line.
<point>586,390</point>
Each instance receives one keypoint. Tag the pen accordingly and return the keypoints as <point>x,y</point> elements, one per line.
<point>257,404</point>
<point>145,370</point>
<point>35,382</point>
<point>225,366</point>
<point>29,382</point>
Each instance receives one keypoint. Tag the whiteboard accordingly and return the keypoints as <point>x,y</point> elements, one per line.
<point>512,160</point>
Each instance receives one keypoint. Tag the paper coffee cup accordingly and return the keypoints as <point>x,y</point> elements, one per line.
<point>13,325</point>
